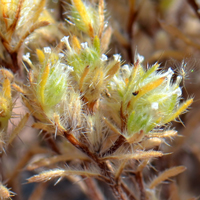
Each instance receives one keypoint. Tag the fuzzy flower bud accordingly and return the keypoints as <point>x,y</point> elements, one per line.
<point>91,69</point>
<point>87,18</point>
<point>149,98</point>
<point>51,80</point>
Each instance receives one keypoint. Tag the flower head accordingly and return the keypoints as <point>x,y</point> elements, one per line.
<point>146,98</point>
<point>87,17</point>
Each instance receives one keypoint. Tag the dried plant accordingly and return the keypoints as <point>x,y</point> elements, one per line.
<point>18,19</point>
<point>103,119</point>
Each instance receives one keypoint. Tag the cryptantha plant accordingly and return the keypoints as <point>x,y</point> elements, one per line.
<point>109,116</point>
<point>111,112</point>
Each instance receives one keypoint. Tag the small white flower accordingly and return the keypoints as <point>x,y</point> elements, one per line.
<point>104,57</point>
<point>178,80</point>
<point>65,40</point>
<point>84,45</point>
<point>47,50</point>
<point>117,57</point>
<point>61,55</point>
<point>26,57</point>
<point>125,70</point>
<point>154,106</point>
<point>140,58</point>
<point>178,91</point>
<point>170,71</point>
<point>70,68</point>
<point>168,74</point>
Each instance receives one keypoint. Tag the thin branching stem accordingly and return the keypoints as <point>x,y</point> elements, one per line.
<point>105,171</point>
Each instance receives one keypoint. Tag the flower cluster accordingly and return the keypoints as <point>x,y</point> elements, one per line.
<point>146,99</point>
<point>109,114</point>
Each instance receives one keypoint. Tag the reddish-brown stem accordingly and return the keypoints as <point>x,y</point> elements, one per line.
<point>89,107</point>
<point>78,145</point>
<point>52,143</point>
<point>123,118</point>
<point>14,66</point>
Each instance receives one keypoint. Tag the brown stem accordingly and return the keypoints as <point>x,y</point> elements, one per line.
<point>123,118</point>
<point>61,10</point>
<point>78,145</point>
<point>51,143</point>
<point>117,191</point>
<point>130,195</point>
<point>118,143</point>
<point>131,19</point>
<point>15,66</point>
<point>93,191</point>
<point>195,7</point>
<point>139,180</point>
<point>1,168</point>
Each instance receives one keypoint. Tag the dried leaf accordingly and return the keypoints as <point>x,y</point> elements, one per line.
<point>148,144</point>
<point>105,40</point>
<point>165,134</point>
<point>166,174</point>
<point>174,195</point>
<point>101,17</point>
<point>137,137</point>
<point>60,173</point>
<point>55,159</point>
<point>136,156</point>
<point>19,127</point>
<point>46,127</point>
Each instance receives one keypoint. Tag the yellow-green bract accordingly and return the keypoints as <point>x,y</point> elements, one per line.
<point>148,98</point>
